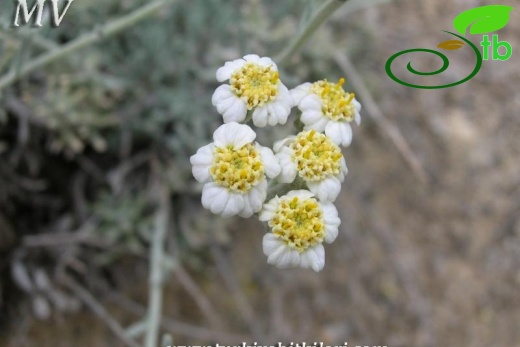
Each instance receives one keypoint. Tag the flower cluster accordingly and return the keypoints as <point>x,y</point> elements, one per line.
<point>303,172</point>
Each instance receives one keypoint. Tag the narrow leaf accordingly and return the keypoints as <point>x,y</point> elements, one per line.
<point>451,45</point>
<point>483,20</point>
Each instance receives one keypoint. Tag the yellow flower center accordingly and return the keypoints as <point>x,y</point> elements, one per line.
<point>237,169</point>
<point>299,223</point>
<point>336,103</point>
<point>255,84</point>
<point>316,156</point>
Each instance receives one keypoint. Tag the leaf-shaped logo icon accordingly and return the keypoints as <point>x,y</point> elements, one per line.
<point>483,20</point>
<point>451,45</point>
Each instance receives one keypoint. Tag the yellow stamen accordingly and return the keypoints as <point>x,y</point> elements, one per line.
<point>237,169</point>
<point>255,84</point>
<point>299,223</point>
<point>336,103</point>
<point>316,156</point>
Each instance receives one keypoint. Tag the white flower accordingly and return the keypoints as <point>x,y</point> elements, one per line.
<point>299,224</point>
<point>326,107</point>
<point>316,160</point>
<point>234,171</point>
<point>254,85</point>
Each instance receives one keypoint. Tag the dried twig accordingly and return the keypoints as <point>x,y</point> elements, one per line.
<point>243,304</point>
<point>83,235</point>
<point>86,40</point>
<point>157,269</point>
<point>381,120</point>
<point>116,177</point>
<point>26,183</point>
<point>321,15</point>
<point>278,328</point>
<point>202,301</point>
<point>179,328</point>
<point>98,309</point>
<point>418,302</point>
<point>405,276</point>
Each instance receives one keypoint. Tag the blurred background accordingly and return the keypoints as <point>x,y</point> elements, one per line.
<point>429,247</point>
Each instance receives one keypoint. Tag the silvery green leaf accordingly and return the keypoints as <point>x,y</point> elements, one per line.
<point>41,307</point>
<point>21,276</point>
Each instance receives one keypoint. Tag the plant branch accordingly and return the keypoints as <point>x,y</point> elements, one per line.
<point>100,311</point>
<point>241,300</point>
<point>96,35</point>
<point>324,12</point>
<point>374,111</point>
<point>202,301</point>
<point>157,270</point>
<point>176,327</point>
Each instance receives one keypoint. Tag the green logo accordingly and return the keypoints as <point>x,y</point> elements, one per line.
<point>480,20</point>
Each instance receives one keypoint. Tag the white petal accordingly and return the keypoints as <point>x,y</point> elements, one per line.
<point>233,134</point>
<point>333,130</point>
<point>306,260</point>
<point>311,117</point>
<point>357,118</point>
<point>327,189</point>
<point>303,194</point>
<point>260,115</point>
<point>201,163</point>
<point>246,211</point>
<point>332,221</point>
<point>319,126</point>
<point>266,61</point>
<point>224,73</point>
<point>284,96</point>
<point>230,106</point>
<point>268,210</point>
<point>279,144</point>
<point>344,170</point>
<point>281,106</point>
<point>310,102</point>
<point>275,112</point>
<point>214,197</point>
<point>288,167</point>
<point>234,205</point>
<point>288,259</point>
<point>278,253</point>
<point>346,134</point>
<point>314,258</point>
<point>357,105</point>
<point>274,257</point>
<point>300,92</point>
<point>271,243</point>
<point>257,196</point>
<point>339,132</point>
<point>270,161</point>
<point>222,93</point>
<point>251,58</point>
<point>236,112</point>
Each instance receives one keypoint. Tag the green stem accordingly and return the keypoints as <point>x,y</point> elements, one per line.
<point>96,35</point>
<point>284,188</point>
<point>327,9</point>
<point>249,116</point>
<point>298,124</point>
